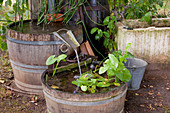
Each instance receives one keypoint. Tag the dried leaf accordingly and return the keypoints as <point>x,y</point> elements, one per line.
<point>144,86</point>
<point>142,105</point>
<point>136,94</point>
<point>150,93</point>
<point>2,81</point>
<point>167,88</point>
<point>150,107</point>
<point>54,87</point>
<point>151,86</point>
<point>159,94</point>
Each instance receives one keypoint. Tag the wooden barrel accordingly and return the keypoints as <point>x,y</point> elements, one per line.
<point>28,54</point>
<point>64,102</point>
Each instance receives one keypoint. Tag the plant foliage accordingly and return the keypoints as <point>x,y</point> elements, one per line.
<point>113,67</point>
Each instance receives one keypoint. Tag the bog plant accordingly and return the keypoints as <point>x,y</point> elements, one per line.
<point>113,67</point>
<point>52,59</point>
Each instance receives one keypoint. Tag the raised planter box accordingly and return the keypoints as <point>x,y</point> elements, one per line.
<point>149,43</point>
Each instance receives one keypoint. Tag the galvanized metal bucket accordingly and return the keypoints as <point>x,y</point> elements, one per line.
<point>137,68</point>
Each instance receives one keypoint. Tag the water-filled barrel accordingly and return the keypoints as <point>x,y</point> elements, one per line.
<point>29,49</point>
<point>58,101</point>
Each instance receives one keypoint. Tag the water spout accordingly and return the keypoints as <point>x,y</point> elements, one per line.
<point>70,40</point>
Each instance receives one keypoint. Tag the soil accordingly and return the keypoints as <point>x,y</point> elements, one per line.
<point>152,97</point>
<point>154,93</point>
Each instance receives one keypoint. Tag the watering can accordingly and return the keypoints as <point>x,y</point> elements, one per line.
<point>68,38</point>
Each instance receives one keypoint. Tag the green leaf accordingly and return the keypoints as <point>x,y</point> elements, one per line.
<point>110,46</point>
<point>100,32</point>
<point>116,84</point>
<point>51,60</point>
<point>160,3</point>
<point>114,60</point>
<point>97,37</point>
<point>148,17</point>
<point>6,3</point>
<point>61,57</point>
<point>106,34</point>
<point>103,84</point>
<point>128,46</point>
<point>110,72</point>
<point>130,55</point>
<point>103,69</point>
<point>4,46</point>
<point>121,58</point>
<point>106,42</point>
<point>109,64</point>
<point>93,81</point>
<point>84,88</point>
<point>93,89</point>
<point>106,20</point>
<point>75,83</point>
<point>1,40</point>
<point>124,75</point>
<point>93,30</point>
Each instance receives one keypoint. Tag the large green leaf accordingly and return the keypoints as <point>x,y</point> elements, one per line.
<point>103,69</point>
<point>123,75</point>
<point>110,72</point>
<point>51,60</point>
<point>113,60</point>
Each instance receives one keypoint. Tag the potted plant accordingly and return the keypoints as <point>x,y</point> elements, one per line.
<point>98,89</point>
<point>147,30</point>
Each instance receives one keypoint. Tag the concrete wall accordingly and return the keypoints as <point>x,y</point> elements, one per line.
<point>151,44</point>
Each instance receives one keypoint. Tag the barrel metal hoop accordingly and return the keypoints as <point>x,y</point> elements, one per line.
<point>35,42</point>
<point>28,66</point>
<point>28,85</point>
<point>85,103</point>
<point>49,109</point>
<point>27,70</point>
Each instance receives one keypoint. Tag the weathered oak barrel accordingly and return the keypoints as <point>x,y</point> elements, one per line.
<point>65,102</point>
<point>29,50</point>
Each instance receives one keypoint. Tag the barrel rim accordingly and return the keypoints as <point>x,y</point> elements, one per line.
<point>141,60</point>
<point>13,24</point>
<point>55,90</point>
